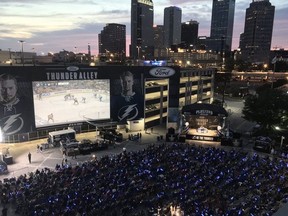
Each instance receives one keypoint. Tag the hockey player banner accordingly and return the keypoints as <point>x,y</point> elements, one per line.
<point>127,99</point>
<point>16,104</point>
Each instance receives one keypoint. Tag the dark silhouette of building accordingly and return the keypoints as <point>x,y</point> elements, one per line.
<point>159,48</point>
<point>222,25</point>
<point>112,41</point>
<point>255,41</point>
<point>189,34</point>
<point>172,26</point>
<point>158,36</point>
<point>142,40</point>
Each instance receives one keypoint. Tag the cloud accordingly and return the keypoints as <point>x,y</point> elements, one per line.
<point>53,25</point>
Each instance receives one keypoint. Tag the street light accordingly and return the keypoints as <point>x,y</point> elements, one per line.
<point>281,143</point>
<point>22,53</point>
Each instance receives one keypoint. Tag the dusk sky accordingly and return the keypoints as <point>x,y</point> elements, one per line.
<point>54,25</point>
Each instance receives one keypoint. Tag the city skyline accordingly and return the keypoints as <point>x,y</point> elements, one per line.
<point>53,25</point>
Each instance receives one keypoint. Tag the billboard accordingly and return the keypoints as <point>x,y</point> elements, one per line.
<point>37,97</point>
<point>16,104</point>
<point>127,98</point>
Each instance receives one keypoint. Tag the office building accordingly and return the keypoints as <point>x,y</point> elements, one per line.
<point>159,40</point>
<point>172,26</point>
<point>112,40</point>
<point>222,25</point>
<point>189,34</point>
<point>158,36</point>
<point>142,41</point>
<point>255,41</point>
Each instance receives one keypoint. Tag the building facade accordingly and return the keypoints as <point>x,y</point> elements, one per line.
<point>158,39</point>
<point>9,57</point>
<point>51,98</point>
<point>189,34</point>
<point>142,41</point>
<point>172,26</point>
<point>112,40</point>
<point>222,25</point>
<point>255,41</point>
<point>158,36</point>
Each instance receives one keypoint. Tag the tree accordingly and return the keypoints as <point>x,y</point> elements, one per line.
<point>221,80</point>
<point>242,65</point>
<point>269,108</point>
<point>229,64</point>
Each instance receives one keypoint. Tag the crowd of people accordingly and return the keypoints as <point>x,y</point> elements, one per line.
<point>190,179</point>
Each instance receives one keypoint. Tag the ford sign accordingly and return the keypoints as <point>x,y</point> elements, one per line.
<point>72,68</point>
<point>162,72</point>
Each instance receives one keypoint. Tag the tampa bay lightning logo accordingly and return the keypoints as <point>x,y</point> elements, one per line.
<point>12,124</point>
<point>128,112</point>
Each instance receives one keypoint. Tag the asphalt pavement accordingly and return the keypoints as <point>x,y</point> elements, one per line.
<point>49,157</point>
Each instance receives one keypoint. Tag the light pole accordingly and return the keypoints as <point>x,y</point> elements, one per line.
<point>34,56</point>
<point>22,53</point>
<point>10,59</point>
<point>281,143</point>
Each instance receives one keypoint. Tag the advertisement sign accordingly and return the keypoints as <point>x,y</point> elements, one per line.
<point>37,97</point>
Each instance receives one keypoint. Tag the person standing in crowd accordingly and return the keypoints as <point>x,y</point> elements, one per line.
<point>74,154</point>
<point>4,211</point>
<point>29,157</point>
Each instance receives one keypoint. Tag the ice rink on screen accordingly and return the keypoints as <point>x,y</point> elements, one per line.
<point>95,106</point>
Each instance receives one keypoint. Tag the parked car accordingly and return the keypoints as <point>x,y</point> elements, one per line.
<point>70,148</point>
<point>263,144</point>
<point>86,146</point>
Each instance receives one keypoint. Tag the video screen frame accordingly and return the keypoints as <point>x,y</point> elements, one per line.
<point>69,101</point>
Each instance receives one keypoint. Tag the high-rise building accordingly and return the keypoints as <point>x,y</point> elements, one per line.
<point>158,36</point>
<point>172,26</point>
<point>255,41</point>
<point>222,25</point>
<point>142,40</point>
<point>112,40</point>
<point>159,49</point>
<point>189,34</point>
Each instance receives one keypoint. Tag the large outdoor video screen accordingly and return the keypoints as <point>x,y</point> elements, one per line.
<point>58,102</point>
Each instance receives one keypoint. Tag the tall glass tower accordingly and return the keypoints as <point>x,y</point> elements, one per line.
<point>222,25</point>
<point>112,40</point>
<point>189,34</point>
<point>172,26</point>
<point>142,40</point>
<point>255,41</point>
